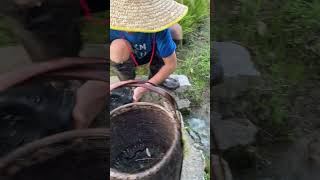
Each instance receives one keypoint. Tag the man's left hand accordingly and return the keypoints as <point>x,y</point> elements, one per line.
<point>138,93</point>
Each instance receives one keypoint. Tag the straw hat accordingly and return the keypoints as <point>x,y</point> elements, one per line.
<point>145,15</point>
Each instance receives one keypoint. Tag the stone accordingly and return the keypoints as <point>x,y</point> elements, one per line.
<point>239,71</point>
<point>234,87</point>
<point>183,104</point>
<point>236,63</point>
<point>234,132</point>
<point>183,81</point>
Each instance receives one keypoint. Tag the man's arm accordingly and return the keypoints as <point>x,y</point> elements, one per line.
<point>170,65</point>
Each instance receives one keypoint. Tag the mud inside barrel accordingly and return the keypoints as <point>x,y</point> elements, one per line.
<point>77,163</point>
<point>141,136</point>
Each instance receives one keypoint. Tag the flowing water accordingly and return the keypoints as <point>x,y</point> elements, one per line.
<point>200,132</point>
<point>199,125</point>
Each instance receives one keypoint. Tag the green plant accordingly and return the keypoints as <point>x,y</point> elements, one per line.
<point>198,11</point>
<point>194,62</point>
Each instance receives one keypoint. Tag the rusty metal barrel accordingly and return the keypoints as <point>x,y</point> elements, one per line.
<point>75,154</point>
<point>30,109</point>
<point>146,138</point>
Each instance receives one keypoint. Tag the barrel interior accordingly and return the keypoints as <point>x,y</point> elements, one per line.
<point>141,136</point>
<point>83,162</point>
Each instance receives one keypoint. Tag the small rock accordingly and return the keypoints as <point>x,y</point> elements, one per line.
<point>234,132</point>
<point>183,81</point>
<point>183,103</point>
<point>236,63</point>
<point>235,87</point>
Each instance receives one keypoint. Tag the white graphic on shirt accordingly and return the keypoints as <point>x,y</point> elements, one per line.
<point>140,50</point>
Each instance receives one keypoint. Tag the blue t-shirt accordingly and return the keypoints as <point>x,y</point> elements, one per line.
<point>142,43</point>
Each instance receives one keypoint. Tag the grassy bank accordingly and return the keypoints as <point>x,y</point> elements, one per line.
<point>194,56</point>
<point>284,38</point>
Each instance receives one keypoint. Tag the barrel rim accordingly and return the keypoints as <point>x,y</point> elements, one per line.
<point>8,160</point>
<point>152,170</point>
<point>141,103</point>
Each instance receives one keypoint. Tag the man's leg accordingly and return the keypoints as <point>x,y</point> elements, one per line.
<point>121,61</point>
<point>177,34</point>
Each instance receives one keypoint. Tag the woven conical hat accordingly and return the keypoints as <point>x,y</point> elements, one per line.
<point>145,15</point>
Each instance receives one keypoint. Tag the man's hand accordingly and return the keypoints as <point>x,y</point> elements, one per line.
<point>138,93</point>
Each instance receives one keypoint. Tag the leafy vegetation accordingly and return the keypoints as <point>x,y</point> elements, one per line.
<point>194,57</point>
<point>194,62</point>
<point>198,11</point>
<point>284,37</point>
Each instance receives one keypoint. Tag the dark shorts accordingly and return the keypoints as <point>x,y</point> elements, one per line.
<point>145,60</point>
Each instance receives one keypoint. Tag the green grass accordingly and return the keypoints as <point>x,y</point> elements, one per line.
<point>198,11</point>
<point>194,58</point>
<point>285,38</point>
<point>194,62</point>
<point>288,30</point>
